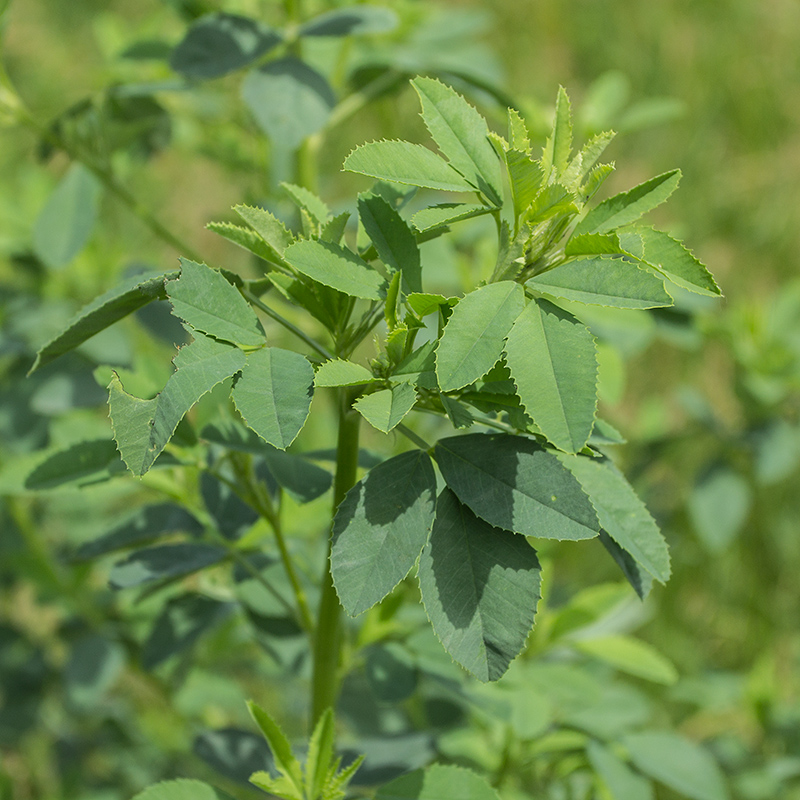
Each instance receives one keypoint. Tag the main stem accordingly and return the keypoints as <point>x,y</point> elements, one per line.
<point>328,638</point>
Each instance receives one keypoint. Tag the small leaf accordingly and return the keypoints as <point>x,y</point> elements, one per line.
<point>590,152</point>
<point>627,207</point>
<point>719,506</point>
<point>445,214</point>
<point>473,338</point>
<point>307,201</point>
<point>164,561</point>
<point>268,227</point>
<point>282,754</point>
<point>243,237</point>
<point>385,409</point>
<point>552,359</point>
<point>351,21</point>
<point>178,790</point>
<point>336,267</point>
<point>603,281</point>
<point>320,754</point>
<point>423,303</point>
<point>632,656</point>
<point>514,484</point>
<point>591,244</point>
<point>462,136</point>
<point>217,44</point>
<point>437,782</point>
<point>65,224</point>
<point>622,782</point>
<point>338,372</point>
<point>518,137</point>
<point>526,179</point>
<point>403,162</point>
<point>380,528</point>
<point>480,587</point>
<point>559,144</point>
<point>273,394</point>
<point>204,299</point>
<point>456,412</point>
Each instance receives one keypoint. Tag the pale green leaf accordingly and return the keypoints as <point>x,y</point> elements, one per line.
<point>632,656</point>
<point>273,394</point>
<point>622,782</point>
<point>526,179</point>
<point>279,787</point>
<point>423,303</point>
<point>591,151</point>
<point>320,754</point>
<point>559,144</point>
<point>518,137</point>
<point>594,180</point>
<point>404,162</point>
<point>204,299</point>
<point>512,483</point>
<point>178,790</point>
<point>473,338</point>
<point>480,587</point>
<point>268,227</point>
<point>438,782</point>
<point>385,409</point>
<point>603,281</point>
<point>380,529</point>
<point>337,784</point>
<point>279,745</point>
<point>553,362</point>
<point>308,201</point>
<point>333,230</point>
<point>438,216</point>
<point>338,372</point>
<point>593,244</point>
<point>511,252</point>
<point>462,136</point>
<point>243,237</point>
<point>676,262</point>
<point>719,506</point>
<point>337,267</point>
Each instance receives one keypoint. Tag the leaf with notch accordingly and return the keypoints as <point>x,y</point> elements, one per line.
<point>320,754</point>
<point>281,750</point>
<point>386,409</point>
<point>268,227</point>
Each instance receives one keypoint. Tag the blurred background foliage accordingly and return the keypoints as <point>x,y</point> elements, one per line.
<point>708,395</point>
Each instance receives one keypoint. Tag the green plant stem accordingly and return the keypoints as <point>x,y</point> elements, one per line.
<point>409,434</point>
<point>328,639</point>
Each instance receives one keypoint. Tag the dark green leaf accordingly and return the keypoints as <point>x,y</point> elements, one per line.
<point>437,782</point>
<point>352,21</point>
<point>164,561</point>
<point>391,672</point>
<point>637,576</point>
<point>231,515</point>
<point>385,409</point>
<point>79,465</point>
<point>300,478</point>
<point>94,664</point>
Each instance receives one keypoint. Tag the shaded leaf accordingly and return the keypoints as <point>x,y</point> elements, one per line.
<point>164,561</point>
<point>352,21</point>
<point>719,506</point>
<point>231,515</point>
<point>385,409</point>
<point>622,782</point>
<point>391,672</point>
<point>79,465</point>
<point>299,477</point>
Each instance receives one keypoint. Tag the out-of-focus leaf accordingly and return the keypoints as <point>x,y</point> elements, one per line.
<point>94,664</point>
<point>79,465</point>
<point>437,783</point>
<point>351,21</point>
<point>163,561</point>
<point>178,790</point>
<point>391,672</point>
<point>718,507</point>
<point>231,514</point>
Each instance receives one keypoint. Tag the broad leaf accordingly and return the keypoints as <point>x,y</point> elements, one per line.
<point>621,513</point>
<point>336,267</point>
<point>164,561</point>
<point>446,213</point>
<point>385,409</point>
<point>514,484</point>
<point>462,136</point>
<point>178,790</point>
<point>351,21</point>
<point>480,587</point>
<point>380,528</point>
<point>338,372</point>
<point>553,361</point>
<point>273,394</point>
<point>204,299</point>
<point>603,281</point>
<point>627,207</point>
<point>437,782</point>
<point>142,428</point>
<point>622,782</point>
<point>474,336</point>
<point>403,162</point>
<point>130,295</point>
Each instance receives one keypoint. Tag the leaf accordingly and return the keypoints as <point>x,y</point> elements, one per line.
<point>630,655</point>
<point>164,561</point>
<point>65,224</point>
<point>300,478</point>
<point>621,513</point>
<point>338,372</point>
<point>591,151</point>
<point>559,144</point>
<point>678,763</point>
<point>603,281</point>
<point>320,754</point>
<point>590,244</point>
<point>513,484</point>
<point>480,587</point>
<point>439,216</point>
<point>178,790</point>
<point>462,135</point>
<point>621,781</point>
<point>229,513</point>
<point>204,299</point>
<point>380,528</point>
<point>473,338</point>
<point>81,464</point>
<point>456,412</point>
<point>423,303</point>
<point>418,367</point>
<point>672,259</point>
<point>627,207</point>
<point>393,239</point>
<point>404,162</point>
<point>518,137</point>
<point>351,21</point>
<point>333,230</point>
<point>273,394</point>
<point>142,428</point>
<point>242,237</point>
<point>337,267</point>
<point>719,506</point>
<point>438,782</point>
<point>637,576</point>
<point>391,671</point>
<point>552,359</point>
<point>604,433</point>
<point>289,100</point>
<point>385,409</point>
<point>279,745</point>
<point>526,179</point>
<point>94,665</point>
<point>217,44</point>
<point>308,201</point>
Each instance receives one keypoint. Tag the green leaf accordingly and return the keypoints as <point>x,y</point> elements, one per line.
<point>637,576</point>
<point>178,790</point>
<point>320,754</point>
<point>473,338</point>
<point>338,372</point>
<point>351,21</point>
<point>204,299</point>
<point>423,303</point>
<point>308,201</point>
<point>445,214</point>
<point>526,179</point>
<point>217,44</point>
<point>595,179</point>
<point>418,367</point>
<point>164,561</point>
<point>591,244</point>
<point>622,782</point>
<point>518,137</point>
<point>380,528</point>
<point>390,669</point>
<point>621,513</point>
<point>552,359</point>
<point>438,782</point>
<point>65,224</point>
<point>288,100</point>
<point>393,239</point>
<point>480,587</point>
<point>456,412</point>
<point>678,763</point>
<point>605,433</point>
<point>243,237</point>
<point>627,207</point>
<point>298,477</point>
<point>333,230</point>
<point>81,464</point>
<point>514,484</point>
<point>268,227</point>
<point>280,747</point>
<point>385,409</point>
<point>632,656</point>
<point>719,506</point>
<point>404,162</point>
<point>603,281</point>
<point>336,267</point>
<point>142,428</point>
<point>273,394</point>
<point>124,299</point>
<point>676,262</point>
<point>559,144</point>
<point>462,136</point>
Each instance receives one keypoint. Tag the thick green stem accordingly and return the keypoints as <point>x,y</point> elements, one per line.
<point>328,639</point>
